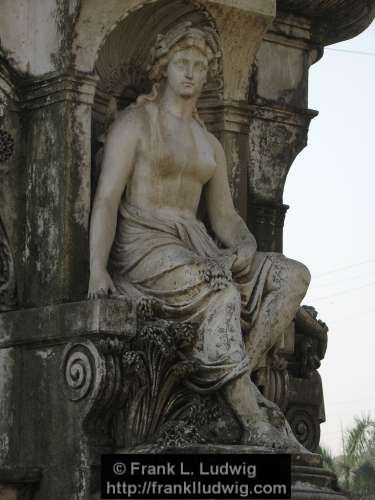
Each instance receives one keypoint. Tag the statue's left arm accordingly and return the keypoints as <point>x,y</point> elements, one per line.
<point>228,226</point>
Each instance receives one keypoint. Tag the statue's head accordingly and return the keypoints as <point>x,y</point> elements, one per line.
<point>182,47</point>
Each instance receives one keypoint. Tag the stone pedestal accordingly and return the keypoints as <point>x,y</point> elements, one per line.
<point>58,374</point>
<point>70,372</point>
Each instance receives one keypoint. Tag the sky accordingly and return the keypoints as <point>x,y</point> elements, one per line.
<point>330,226</point>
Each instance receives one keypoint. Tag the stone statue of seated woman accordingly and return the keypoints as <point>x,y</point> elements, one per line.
<point>146,239</point>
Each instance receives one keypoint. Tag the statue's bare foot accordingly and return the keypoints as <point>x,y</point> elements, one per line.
<point>272,430</point>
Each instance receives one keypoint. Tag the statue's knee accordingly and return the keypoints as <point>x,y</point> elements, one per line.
<point>300,277</point>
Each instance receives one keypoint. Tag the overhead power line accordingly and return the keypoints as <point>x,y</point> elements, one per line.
<point>359,52</point>
<point>344,268</point>
<point>335,282</point>
<point>344,292</point>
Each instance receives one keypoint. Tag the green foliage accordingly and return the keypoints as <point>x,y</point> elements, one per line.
<point>363,485</point>
<point>355,468</point>
<point>328,458</point>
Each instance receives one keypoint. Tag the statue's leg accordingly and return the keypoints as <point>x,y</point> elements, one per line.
<point>240,395</point>
<point>286,285</point>
<point>285,288</point>
<point>260,426</point>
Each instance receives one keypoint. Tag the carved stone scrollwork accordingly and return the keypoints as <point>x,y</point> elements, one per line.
<point>305,410</point>
<point>92,373</point>
<point>133,389</point>
<point>6,146</point>
<point>305,425</point>
<point>7,273</point>
<point>310,342</point>
<point>81,367</point>
<point>154,372</point>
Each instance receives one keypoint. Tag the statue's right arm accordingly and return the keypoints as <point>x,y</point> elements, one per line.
<point>118,163</point>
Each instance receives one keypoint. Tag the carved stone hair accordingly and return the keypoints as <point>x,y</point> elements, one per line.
<point>182,36</point>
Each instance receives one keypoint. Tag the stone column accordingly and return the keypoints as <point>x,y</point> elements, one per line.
<point>279,123</point>
<point>276,137</point>
<point>229,121</point>
<point>57,117</point>
<point>241,25</point>
<point>11,223</point>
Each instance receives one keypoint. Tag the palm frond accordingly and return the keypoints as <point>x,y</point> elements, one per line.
<point>358,439</point>
<point>327,458</point>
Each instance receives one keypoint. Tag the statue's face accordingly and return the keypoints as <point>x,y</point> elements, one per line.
<point>187,72</point>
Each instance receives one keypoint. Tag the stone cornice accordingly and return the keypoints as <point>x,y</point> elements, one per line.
<point>38,326</point>
<point>291,31</point>
<point>332,20</point>
<point>55,88</point>
<point>229,116</point>
<point>285,115</point>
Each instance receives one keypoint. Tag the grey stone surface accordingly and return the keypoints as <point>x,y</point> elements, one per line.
<point>56,112</point>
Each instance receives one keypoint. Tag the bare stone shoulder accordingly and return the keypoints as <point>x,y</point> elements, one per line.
<point>133,118</point>
<point>217,146</point>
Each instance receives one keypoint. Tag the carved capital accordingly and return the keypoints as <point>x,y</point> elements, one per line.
<point>267,221</point>
<point>55,88</point>
<point>92,373</point>
<point>242,25</point>
<point>130,385</point>
<point>277,135</point>
<point>283,115</point>
<point>226,116</point>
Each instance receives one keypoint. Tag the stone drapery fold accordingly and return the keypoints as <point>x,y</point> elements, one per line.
<point>177,264</point>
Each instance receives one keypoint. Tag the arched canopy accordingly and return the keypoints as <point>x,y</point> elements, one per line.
<point>123,54</point>
<point>332,20</point>
<point>103,33</point>
<point>106,31</point>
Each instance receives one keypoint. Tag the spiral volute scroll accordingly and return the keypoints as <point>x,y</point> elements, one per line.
<point>305,426</point>
<point>81,368</point>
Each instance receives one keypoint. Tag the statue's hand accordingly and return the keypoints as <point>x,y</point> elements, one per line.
<point>101,285</point>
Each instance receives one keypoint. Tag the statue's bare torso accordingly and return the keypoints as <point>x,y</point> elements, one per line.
<point>172,177</point>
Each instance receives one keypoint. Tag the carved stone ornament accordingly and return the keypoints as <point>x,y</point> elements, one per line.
<point>7,273</point>
<point>305,425</point>
<point>6,146</point>
<point>133,392</point>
